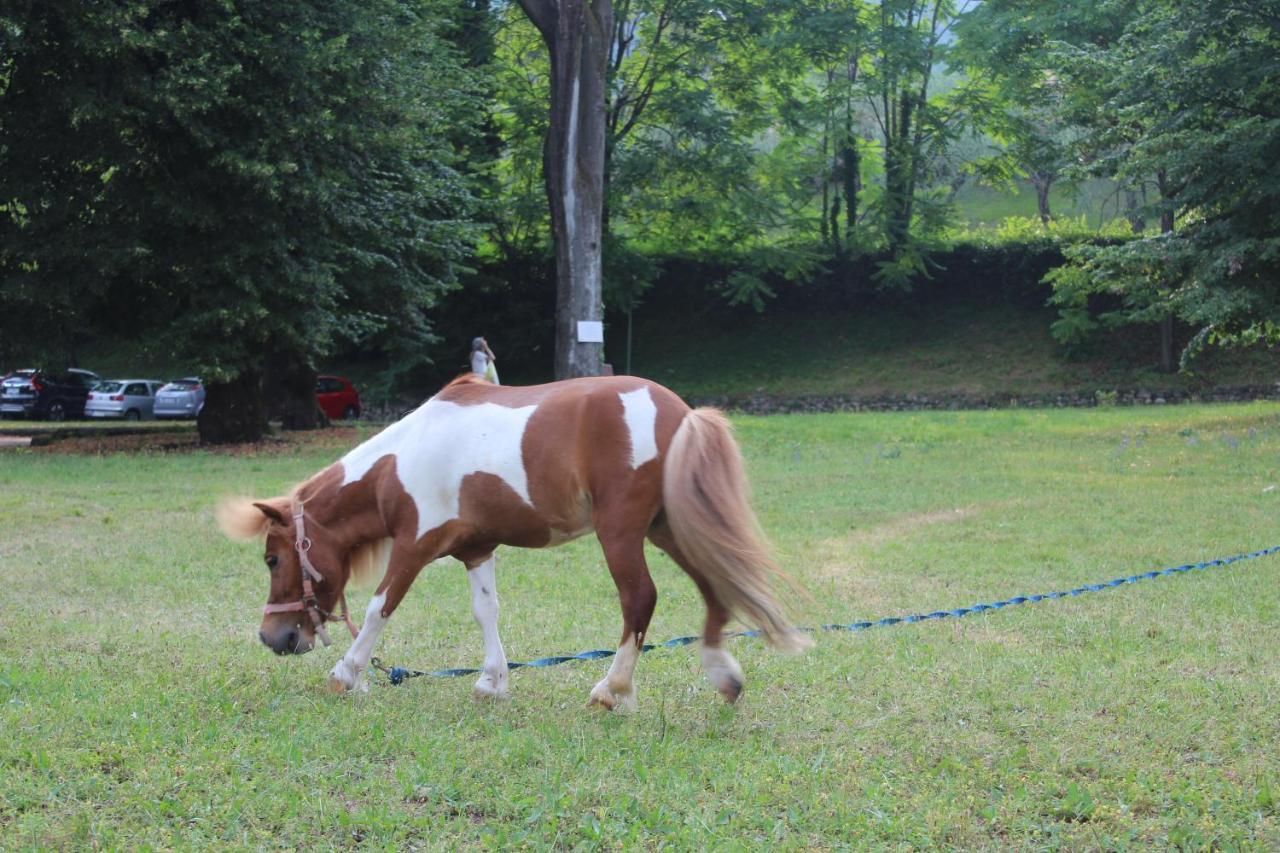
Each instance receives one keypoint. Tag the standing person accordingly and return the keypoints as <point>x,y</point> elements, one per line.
<point>483,362</point>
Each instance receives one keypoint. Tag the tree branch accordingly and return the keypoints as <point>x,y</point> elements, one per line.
<point>543,14</point>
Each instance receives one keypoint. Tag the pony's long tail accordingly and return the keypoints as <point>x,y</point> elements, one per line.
<point>705,491</point>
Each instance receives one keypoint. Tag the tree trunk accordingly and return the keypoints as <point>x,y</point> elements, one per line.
<point>1167,363</point>
<point>834,226</point>
<point>1137,223</point>
<point>233,411</point>
<point>828,165</point>
<point>577,34</point>
<point>289,392</point>
<point>1042,183</point>
<point>851,183</point>
<point>899,163</point>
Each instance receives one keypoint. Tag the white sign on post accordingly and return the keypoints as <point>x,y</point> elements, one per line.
<point>590,332</point>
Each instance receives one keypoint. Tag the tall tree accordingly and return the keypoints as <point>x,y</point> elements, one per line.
<point>1202,81</point>
<point>258,181</point>
<point>577,34</point>
<point>910,38</point>
<point>827,43</point>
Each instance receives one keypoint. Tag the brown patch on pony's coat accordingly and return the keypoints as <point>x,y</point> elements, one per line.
<point>483,496</point>
<point>705,503</point>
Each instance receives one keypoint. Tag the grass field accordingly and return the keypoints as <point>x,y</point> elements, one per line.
<point>138,709</point>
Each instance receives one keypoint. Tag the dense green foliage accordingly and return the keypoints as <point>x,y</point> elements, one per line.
<point>233,181</point>
<point>1202,81</point>
<point>232,178</point>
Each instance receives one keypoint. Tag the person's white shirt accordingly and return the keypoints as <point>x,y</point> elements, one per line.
<point>482,367</point>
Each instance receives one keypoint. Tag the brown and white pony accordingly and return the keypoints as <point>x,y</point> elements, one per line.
<point>478,466</point>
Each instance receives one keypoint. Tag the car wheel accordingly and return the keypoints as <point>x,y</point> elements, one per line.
<point>350,413</point>
<point>133,415</point>
<point>57,411</point>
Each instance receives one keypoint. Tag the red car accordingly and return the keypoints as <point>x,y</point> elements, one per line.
<point>337,398</point>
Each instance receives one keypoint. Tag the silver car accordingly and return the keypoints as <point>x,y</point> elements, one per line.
<point>181,398</point>
<point>131,399</point>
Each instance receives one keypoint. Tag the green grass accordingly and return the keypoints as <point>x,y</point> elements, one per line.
<point>138,708</point>
<point>9,426</point>
<point>960,348</point>
<point>983,206</point>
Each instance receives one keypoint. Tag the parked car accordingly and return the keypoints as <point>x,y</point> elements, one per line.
<point>40,394</point>
<point>337,398</point>
<point>181,398</point>
<point>131,399</point>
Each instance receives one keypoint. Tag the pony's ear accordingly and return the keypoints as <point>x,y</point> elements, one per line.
<point>273,513</point>
<point>244,520</point>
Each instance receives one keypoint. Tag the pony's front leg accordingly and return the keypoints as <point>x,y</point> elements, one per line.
<point>348,673</point>
<point>484,606</point>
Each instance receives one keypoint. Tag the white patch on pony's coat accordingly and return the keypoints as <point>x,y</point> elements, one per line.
<point>438,445</point>
<point>642,417</point>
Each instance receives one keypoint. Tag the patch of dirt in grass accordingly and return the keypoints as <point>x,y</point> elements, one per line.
<point>835,553</point>
<point>903,526</point>
<point>842,558</point>
<point>338,438</point>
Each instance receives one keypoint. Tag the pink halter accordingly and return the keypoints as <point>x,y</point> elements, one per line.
<point>309,602</point>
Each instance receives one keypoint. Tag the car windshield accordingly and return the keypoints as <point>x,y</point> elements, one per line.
<point>107,387</point>
<point>182,385</point>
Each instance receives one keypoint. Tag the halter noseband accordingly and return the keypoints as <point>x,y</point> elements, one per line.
<point>309,602</point>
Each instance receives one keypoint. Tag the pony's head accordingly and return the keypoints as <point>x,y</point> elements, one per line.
<point>307,566</point>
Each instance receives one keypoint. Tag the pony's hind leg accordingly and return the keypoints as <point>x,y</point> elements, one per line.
<point>721,668</point>
<point>624,553</point>
<point>484,606</point>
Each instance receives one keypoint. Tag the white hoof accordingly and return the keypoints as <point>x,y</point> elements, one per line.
<point>344,676</point>
<point>490,686</point>
<point>723,671</point>
<point>610,699</point>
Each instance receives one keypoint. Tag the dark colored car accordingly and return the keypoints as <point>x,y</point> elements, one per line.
<point>181,398</point>
<point>39,394</point>
<point>337,398</point>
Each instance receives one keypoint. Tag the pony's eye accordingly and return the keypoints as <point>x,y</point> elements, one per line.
<point>272,559</point>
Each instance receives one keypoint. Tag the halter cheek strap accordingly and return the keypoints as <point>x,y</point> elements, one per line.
<point>309,602</point>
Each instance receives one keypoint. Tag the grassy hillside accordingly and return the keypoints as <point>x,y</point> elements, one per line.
<point>962,348</point>
<point>958,348</point>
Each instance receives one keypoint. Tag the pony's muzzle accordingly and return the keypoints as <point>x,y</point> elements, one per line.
<point>287,640</point>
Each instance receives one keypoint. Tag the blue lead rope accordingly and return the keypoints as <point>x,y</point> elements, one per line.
<point>398,674</point>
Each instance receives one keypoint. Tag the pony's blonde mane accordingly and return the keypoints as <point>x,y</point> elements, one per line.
<point>368,562</point>
<point>242,521</point>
